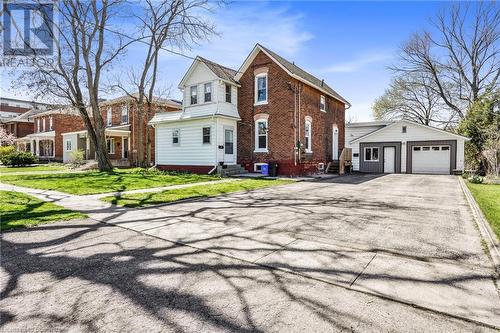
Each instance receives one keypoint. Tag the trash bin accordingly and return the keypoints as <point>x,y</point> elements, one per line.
<point>273,169</point>
<point>264,169</point>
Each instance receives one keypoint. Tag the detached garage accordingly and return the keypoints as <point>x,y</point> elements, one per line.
<point>404,147</point>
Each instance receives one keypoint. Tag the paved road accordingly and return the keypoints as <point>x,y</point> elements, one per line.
<point>398,252</point>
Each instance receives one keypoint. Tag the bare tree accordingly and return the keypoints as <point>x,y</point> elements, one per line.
<point>409,96</point>
<point>461,58</point>
<point>173,23</point>
<point>84,49</point>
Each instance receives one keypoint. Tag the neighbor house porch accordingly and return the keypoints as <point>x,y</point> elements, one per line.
<point>42,145</point>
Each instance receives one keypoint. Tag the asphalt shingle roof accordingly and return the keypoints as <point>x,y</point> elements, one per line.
<point>223,72</point>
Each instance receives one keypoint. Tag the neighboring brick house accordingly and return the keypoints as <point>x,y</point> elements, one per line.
<point>278,113</point>
<point>121,121</point>
<point>288,116</point>
<point>46,141</point>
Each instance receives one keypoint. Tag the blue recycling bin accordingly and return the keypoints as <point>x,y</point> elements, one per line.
<point>264,169</point>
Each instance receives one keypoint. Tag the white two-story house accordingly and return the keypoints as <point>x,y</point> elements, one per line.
<point>203,135</point>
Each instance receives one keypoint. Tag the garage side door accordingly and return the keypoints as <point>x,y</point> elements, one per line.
<point>431,159</point>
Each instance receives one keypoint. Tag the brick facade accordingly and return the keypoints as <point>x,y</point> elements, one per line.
<point>18,129</point>
<point>282,132</point>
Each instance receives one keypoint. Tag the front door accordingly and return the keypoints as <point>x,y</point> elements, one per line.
<point>335,144</point>
<point>228,145</point>
<point>124,148</point>
<point>389,159</point>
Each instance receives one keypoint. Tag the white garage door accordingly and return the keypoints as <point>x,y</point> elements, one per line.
<point>431,159</point>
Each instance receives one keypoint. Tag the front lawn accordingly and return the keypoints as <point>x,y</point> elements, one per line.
<point>101,182</point>
<point>36,168</point>
<point>18,210</point>
<point>488,199</point>
<point>145,199</point>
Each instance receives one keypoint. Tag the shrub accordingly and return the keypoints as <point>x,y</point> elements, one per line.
<point>18,158</point>
<point>476,179</point>
<point>77,158</point>
<point>6,150</point>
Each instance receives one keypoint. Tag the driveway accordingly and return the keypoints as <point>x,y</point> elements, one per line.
<point>406,243</point>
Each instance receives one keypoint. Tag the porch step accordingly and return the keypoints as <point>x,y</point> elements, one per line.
<point>231,170</point>
<point>334,167</point>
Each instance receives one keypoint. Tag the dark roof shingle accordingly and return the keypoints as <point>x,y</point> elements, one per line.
<point>219,70</point>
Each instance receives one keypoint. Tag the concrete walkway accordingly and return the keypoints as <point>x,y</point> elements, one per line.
<point>409,239</point>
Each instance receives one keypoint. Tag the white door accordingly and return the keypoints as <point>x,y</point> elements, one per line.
<point>228,145</point>
<point>431,159</point>
<point>389,159</point>
<point>335,144</point>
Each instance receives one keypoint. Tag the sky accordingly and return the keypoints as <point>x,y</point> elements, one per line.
<point>348,44</point>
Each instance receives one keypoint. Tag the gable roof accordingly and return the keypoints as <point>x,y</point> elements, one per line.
<point>292,70</point>
<point>412,123</point>
<point>225,73</point>
<point>157,100</point>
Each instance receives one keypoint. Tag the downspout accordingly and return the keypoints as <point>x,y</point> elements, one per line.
<point>299,147</point>
<point>156,146</point>
<point>295,127</point>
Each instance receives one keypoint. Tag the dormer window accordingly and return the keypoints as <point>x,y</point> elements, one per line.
<point>125,114</point>
<point>228,93</point>
<point>208,92</point>
<point>261,89</point>
<point>194,94</point>
<point>322,103</point>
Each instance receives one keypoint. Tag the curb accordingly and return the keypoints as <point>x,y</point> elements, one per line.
<point>487,233</point>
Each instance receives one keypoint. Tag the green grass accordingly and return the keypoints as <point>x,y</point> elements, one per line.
<point>145,199</point>
<point>18,210</point>
<point>488,199</point>
<point>101,182</point>
<point>48,167</point>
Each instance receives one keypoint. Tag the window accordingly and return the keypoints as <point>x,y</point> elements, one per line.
<point>261,135</point>
<point>261,89</point>
<point>426,148</point>
<point>416,148</point>
<point>51,123</point>
<point>371,154</point>
<point>176,137</point>
<point>38,124</point>
<point>43,124</point>
<point>124,114</point>
<point>435,148</point>
<point>307,133</point>
<point>194,94</point>
<point>110,143</point>
<point>68,145</point>
<point>445,148</point>
<point>322,103</point>
<point>403,129</point>
<point>228,93</point>
<point>228,142</point>
<point>206,135</point>
<point>208,92</point>
<point>355,155</point>
<point>109,119</point>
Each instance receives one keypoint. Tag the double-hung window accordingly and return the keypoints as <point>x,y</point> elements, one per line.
<point>371,154</point>
<point>308,136</point>
<point>38,124</point>
<point>261,89</point>
<point>110,143</point>
<point>43,124</point>
<point>261,135</point>
<point>51,123</point>
<point>322,103</point>
<point>228,94</point>
<point>125,114</point>
<point>176,137</point>
<point>194,94</point>
<point>207,88</point>
<point>206,135</point>
<point>109,117</point>
<point>68,145</point>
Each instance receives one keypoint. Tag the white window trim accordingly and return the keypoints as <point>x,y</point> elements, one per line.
<point>211,92</point>
<point>124,107</point>
<point>203,135</point>
<point>109,117</point>
<point>255,165</point>
<point>308,149</point>
<point>191,94</point>
<point>178,137</point>
<point>230,93</point>
<point>256,90</point>
<point>256,148</point>
<point>322,99</point>
<point>364,155</point>
<point>43,124</point>
<point>38,124</point>
<point>112,145</point>
<point>51,123</point>
<point>66,145</point>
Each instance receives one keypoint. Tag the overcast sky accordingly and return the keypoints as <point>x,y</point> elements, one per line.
<point>349,44</point>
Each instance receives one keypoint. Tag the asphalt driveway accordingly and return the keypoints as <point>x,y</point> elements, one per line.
<point>406,243</point>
